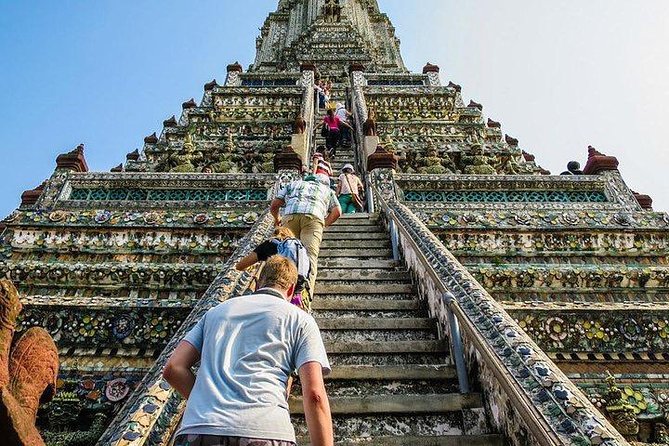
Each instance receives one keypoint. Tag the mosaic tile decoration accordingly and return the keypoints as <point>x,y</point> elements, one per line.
<point>123,194</point>
<point>511,196</point>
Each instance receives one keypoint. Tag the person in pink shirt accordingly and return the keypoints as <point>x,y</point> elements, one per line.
<point>334,126</point>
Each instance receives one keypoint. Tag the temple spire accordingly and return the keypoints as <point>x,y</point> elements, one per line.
<point>303,31</point>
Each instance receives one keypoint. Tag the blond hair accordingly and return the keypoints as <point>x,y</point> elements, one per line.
<point>278,272</point>
<point>283,233</point>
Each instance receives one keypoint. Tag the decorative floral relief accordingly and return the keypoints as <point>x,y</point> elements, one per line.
<point>234,218</point>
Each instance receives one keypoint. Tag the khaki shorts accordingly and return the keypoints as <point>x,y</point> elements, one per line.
<point>214,440</point>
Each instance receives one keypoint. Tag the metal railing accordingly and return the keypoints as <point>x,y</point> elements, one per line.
<point>513,370</point>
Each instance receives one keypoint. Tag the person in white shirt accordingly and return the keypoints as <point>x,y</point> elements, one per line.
<point>247,348</point>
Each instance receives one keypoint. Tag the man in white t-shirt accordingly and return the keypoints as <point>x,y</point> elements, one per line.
<point>247,347</point>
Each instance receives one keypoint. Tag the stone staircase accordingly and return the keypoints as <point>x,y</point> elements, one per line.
<point>345,155</point>
<point>392,381</point>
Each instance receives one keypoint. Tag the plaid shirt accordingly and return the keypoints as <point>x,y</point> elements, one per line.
<point>308,197</point>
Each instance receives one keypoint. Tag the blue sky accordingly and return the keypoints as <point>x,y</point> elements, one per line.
<point>558,75</point>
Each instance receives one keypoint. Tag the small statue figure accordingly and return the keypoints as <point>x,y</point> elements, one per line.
<point>433,163</point>
<point>508,165</point>
<point>478,163</point>
<point>28,373</point>
<point>332,11</point>
<point>369,127</point>
<point>336,16</point>
<point>300,125</point>
<point>186,159</point>
<point>620,412</point>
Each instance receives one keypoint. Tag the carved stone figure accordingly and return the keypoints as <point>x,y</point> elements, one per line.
<point>369,127</point>
<point>300,125</point>
<point>28,373</point>
<point>435,164</point>
<point>620,412</point>
<point>332,11</point>
<point>478,163</point>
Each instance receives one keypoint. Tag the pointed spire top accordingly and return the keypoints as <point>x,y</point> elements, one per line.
<point>311,28</point>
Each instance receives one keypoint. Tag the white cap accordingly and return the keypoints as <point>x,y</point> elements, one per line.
<point>347,166</point>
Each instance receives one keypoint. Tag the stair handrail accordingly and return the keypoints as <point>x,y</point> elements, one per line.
<point>152,413</point>
<point>308,110</point>
<point>356,98</point>
<point>512,368</point>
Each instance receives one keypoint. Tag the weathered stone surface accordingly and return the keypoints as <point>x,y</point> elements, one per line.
<point>397,404</point>
<point>418,372</point>
<point>371,324</point>
<point>367,304</point>
<point>358,289</point>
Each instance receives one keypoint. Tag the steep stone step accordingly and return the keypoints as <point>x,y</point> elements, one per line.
<point>414,372</point>
<point>357,264</point>
<point>452,440</point>
<point>389,336</point>
<point>352,253</point>
<point>364,275</point>
<point>379,387</point>
<point>389,330</point>
<point>380,288</point>
<point>340,347</point>
<point>385,359</point>
<point>360,216</point>
<point>353,228</point>
<point>376,324</point>
<point>369,304</point>
<point>363,237</point>
<point>363,428</point>
<point>344,152</point>
<point>391,404</point>
<point>366,314</point>
<point>363,296</point>
<point>339,163</point>
<point>370,244</point>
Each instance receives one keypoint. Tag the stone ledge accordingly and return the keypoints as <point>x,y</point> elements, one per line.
<point>405,372</point>
<point>389,288</point>
<point>370,304</point>
<point>396,404</point>
<point>375,324</point>
<point>387,347</point>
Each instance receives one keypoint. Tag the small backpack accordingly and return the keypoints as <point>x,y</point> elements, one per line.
<point>294,250</point>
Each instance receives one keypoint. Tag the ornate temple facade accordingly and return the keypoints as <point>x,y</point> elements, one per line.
<point>492,303</point>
